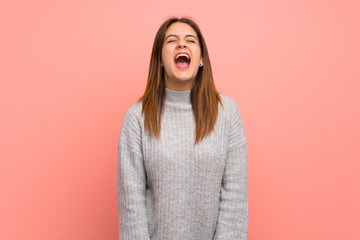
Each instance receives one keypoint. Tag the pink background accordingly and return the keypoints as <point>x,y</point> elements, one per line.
<point>71,69</point>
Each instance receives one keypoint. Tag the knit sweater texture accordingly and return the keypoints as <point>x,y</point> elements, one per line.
<point>171,189</point>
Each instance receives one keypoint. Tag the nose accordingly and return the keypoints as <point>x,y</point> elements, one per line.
<point>180,45</point>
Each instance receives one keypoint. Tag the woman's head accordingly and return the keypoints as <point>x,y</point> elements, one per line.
<point>174,36</point>
<point>180,35</point>
<point>181,56</point>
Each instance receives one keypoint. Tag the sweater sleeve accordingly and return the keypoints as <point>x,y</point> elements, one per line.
<point>233,207</point>
<point>131,181</point>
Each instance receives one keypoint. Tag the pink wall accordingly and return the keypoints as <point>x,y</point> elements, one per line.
<point>70,69</point>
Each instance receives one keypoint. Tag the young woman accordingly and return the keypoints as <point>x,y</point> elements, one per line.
<point>182,163</point>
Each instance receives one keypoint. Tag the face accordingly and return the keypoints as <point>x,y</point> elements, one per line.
<point>180,71</point>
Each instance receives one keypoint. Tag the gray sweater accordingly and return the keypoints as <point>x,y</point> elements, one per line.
<point>169,189</point>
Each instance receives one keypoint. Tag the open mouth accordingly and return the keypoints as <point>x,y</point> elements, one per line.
<point>182,61</point>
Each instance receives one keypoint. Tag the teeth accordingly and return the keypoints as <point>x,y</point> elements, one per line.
<point>182,54</point>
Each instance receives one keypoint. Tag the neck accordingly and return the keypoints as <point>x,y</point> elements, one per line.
<point>178,85</point>
<point>181,97</point>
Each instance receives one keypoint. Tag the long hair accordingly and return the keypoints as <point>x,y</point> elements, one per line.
<point>204,96</point>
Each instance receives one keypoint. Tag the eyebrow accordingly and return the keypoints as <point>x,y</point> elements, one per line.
<point>173,35</point>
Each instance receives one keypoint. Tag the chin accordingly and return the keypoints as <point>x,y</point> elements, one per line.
<point>184,78</point>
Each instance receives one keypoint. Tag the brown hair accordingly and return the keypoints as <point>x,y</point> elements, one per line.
<point>204,96</point>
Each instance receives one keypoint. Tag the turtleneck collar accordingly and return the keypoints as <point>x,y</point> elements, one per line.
<point>173,96</point>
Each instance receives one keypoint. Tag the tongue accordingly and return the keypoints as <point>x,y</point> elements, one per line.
<point>180,63</point>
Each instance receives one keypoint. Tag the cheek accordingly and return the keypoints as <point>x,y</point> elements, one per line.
<point>166,59</point>
<point>166,56</point>
<point>197,58</point>
<point>196,54</point>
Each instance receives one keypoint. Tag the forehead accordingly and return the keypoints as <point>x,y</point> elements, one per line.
<point>180,28</point>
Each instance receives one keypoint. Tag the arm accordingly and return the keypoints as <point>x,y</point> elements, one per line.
<point>233,207</point>
<point>131,181</point>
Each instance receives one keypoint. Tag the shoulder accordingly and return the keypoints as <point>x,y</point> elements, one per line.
<point>134,110</point>
<point>130,136</point>
<point>133,114</point>
<point>229,104</point>
<point>232,112</point>
<point>234,122</point>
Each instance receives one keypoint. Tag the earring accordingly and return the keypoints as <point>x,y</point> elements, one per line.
<point>201,65</point>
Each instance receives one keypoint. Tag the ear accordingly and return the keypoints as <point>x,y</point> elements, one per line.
<point>201,60</point>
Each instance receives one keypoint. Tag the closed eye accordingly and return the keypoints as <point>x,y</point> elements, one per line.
<point>188,41</point>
